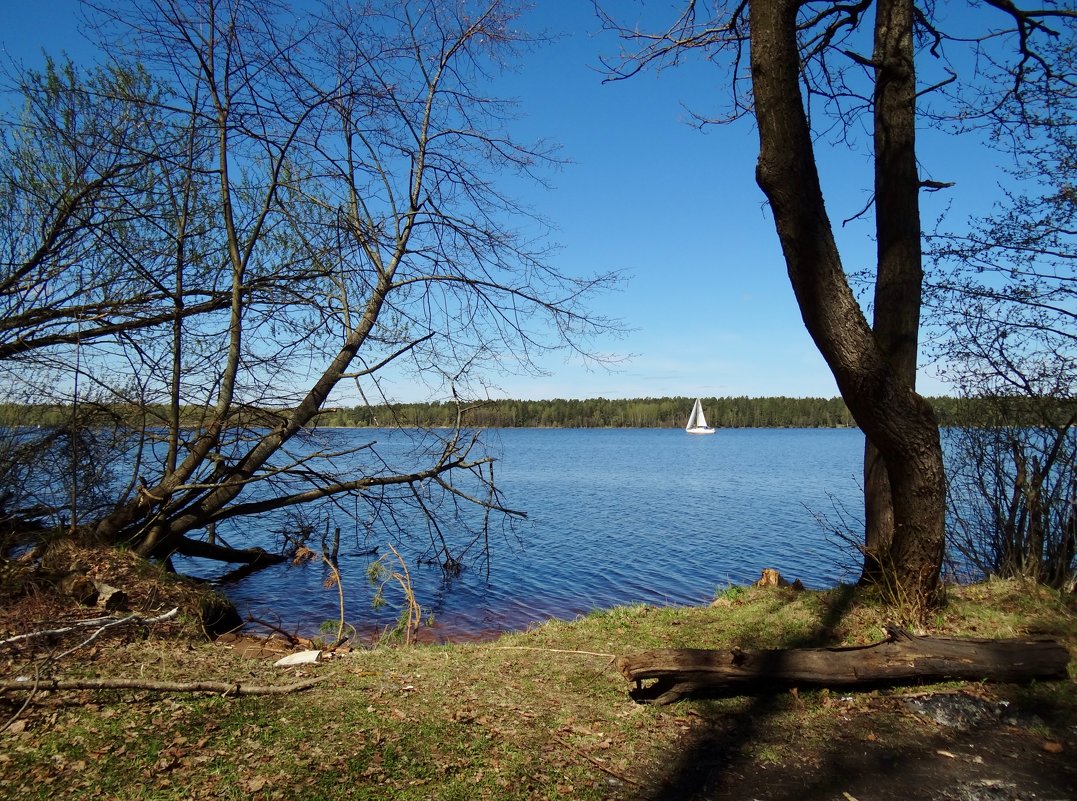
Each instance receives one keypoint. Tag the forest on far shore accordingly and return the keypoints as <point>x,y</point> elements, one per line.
<point>739,412</point>
<point>729,412</point>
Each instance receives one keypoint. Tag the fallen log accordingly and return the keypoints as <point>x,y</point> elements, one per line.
<point>900,658</point>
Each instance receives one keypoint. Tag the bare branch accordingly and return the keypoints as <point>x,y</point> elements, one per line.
<point>219,687</point>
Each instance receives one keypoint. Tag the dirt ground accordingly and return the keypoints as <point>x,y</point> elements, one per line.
<point>942,746</point>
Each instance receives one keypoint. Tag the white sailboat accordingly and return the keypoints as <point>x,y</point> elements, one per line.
<point>697,422</point>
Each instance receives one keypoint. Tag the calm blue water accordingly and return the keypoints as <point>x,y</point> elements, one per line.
<point>614,516</point>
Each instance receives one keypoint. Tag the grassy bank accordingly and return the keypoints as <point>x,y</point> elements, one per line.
<point>542,714</point>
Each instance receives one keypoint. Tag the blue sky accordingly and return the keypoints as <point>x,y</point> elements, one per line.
<point>707,299</point>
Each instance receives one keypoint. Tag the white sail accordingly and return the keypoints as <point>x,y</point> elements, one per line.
<point>697,421</point>
<point>695,418</point>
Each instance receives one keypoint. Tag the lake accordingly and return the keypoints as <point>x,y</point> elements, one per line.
<point>615,516</point>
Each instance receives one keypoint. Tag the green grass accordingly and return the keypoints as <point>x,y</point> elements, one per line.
<point>541,714</point>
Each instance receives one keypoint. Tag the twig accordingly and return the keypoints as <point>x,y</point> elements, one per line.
<point>221,687</point>
<point>596,763</point>
<point>26,703</point>
<point>382,575</point>
<point>335,579</point>
<point>118,622</point>
<point>291,638</point>
<point>548,650</point>
<point>415,612</point>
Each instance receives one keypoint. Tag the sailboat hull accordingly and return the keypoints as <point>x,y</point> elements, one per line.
<point>699,430</point>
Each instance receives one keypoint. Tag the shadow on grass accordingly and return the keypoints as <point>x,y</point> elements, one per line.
<point>707,764</point>
<point>879,757</point>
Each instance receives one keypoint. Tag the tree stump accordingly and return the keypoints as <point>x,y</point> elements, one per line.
<point>900,658</point>
<point>109,597</point>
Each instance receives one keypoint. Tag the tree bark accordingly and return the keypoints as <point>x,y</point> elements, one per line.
<point>899,271</point>
<point>900,658</point>
<point>893,417</point>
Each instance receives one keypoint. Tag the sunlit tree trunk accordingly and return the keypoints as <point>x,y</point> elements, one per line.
<point>899,274</point>
<point>897,420</point>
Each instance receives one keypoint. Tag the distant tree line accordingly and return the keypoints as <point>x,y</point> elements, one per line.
<point>732,412</point>
<point>742,412</point>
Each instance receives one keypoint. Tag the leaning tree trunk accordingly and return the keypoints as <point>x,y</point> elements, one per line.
<point>897,420</point>
<point>899,278</point>
<point>180,516</point>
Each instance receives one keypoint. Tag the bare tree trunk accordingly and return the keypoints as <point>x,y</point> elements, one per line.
<point>227,490</point>
<point>897,420</point>
<point>899,277</point>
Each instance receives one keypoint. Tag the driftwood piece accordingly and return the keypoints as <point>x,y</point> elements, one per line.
<point>900,658</point>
